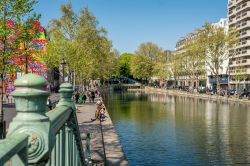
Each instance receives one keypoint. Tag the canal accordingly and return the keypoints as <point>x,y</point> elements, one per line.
<point>157,129</point>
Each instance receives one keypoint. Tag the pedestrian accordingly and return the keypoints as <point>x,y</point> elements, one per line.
<point>89,96</point>
<point>7,97</point>
<point>77,96</point>
<point>84,97</point>
<point>49,104</point>
<point>93,96</point>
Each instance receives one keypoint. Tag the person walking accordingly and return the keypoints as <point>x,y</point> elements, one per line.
<point>49,103</point>
<point>93,96</point>
<point>77,96</point>
<point>84,97</point>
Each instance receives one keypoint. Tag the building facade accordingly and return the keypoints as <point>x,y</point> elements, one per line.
<point>224,70</point>
<point>239,59</point>
<point>207,80</point>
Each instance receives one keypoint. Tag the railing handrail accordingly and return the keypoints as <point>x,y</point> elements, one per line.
<point>58,117</point>
<point>44,138</point>
<point>12,146</point>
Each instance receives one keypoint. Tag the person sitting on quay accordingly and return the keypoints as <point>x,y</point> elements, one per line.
<point>100,111</point>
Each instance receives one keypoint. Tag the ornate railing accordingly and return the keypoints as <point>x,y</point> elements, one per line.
<point>38,137</point>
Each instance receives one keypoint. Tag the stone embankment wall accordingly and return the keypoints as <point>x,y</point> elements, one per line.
<point>231,99</point>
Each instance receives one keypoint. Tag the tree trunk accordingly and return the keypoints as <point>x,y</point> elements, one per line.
<point>218,84</point>
<point>2,129</point>
<point>192,85</point>
<point>197,84</point>
<point>74,80</point>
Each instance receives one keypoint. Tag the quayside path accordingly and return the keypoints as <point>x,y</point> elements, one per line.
<point>105,146</point>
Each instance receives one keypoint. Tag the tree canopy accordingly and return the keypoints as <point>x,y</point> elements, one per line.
<point>77,38</point>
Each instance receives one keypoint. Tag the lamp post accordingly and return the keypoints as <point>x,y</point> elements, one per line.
<point>25,44</point>
<point>63,63</point>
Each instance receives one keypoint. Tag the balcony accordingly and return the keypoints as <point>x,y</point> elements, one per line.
<point>243,16</point>
<point>243,25</point>
<point>243,6</point>
<point>240,54</point>
<point>231,21</point>
<point>231,4</point>
<point>237,63</point>
<point>231,13</point>
<point>243,44</point>
<point>245,34</point>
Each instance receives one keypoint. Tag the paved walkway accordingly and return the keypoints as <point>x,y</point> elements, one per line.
<point>113,149</point>
<point>114,152</point>
<point>10,109</point>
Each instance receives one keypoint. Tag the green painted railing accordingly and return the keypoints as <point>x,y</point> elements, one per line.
<point>38,137</point>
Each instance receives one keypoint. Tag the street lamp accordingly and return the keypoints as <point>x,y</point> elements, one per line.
<point>25,44</point>
<point>63,63</point>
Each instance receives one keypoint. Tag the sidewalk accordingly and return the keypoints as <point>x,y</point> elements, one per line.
<point>10,108</point>
<point>113,149</point>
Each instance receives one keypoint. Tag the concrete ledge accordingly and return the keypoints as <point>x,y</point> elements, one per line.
<point>112,147</point>
<point>114,153</point>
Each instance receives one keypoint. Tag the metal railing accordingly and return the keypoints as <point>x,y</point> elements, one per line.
<point>38,137</point>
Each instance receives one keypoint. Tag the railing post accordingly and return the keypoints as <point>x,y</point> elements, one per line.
<point>72,132</point>
<point>66,92</point>
<point>30,99</point>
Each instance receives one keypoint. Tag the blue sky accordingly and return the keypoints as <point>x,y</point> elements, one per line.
<point>132,22</point>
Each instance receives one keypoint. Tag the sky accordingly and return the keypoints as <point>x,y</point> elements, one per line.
<point>132,22</point>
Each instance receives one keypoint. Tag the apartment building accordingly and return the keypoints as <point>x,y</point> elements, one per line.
<point>209,80</point>
<point>239,61</point>
<point>184,80</point>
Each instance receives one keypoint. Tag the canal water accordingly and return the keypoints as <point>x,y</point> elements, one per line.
<point>157,129</point>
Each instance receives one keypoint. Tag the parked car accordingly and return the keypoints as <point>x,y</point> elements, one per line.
<point>231,92</point>
<point>202,89</point>
<point>245,94</point>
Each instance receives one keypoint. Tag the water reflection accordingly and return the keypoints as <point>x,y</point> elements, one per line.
<point>167,130</point>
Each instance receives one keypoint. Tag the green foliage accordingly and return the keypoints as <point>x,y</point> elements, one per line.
<point>150,60</point>
<point>216,43</point>
<point>150,50</point>
<point>123,68</point>
<point>141,67</point>
<point>77,38</point>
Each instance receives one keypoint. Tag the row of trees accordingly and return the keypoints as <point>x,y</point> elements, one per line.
<point>76,38</point>
<point>208,51</point>
<point>147,61</point>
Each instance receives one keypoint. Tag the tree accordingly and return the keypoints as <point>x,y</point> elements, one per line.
<point>194,57</point>
<point>149,50</point>
<point>150,55</point>
<point>141,67</point>
<point>123,67</point>
<point>16,28</point>
<point>77,38</point>
<point>216,43</point>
